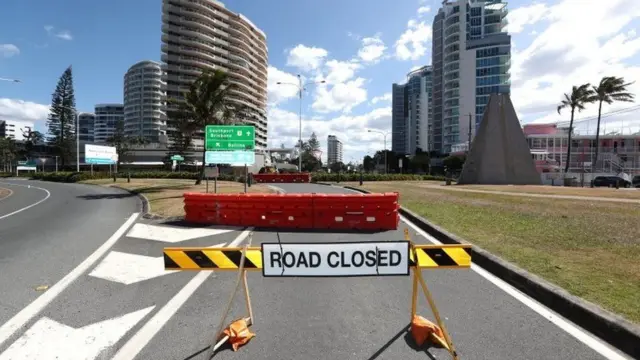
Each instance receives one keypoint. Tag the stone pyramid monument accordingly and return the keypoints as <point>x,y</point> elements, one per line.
<point>499,153</point>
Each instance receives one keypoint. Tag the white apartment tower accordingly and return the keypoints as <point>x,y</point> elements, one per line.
<point>334,150</point>
<point>471,59</point>
<point>144,102</point>
<point>411,113</point>
<point>86,122</point>
<point>107,117</point>
<point>203,34</point>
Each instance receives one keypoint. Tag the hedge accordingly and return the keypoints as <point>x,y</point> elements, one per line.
<point>71,177</point>
<point>325,177</point>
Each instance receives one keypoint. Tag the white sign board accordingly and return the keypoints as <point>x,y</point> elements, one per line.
<point>211,172</point>
<point>335,259</point>
<point>96,154</point>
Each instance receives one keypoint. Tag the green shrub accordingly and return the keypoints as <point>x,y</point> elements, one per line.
<point>6,174</point>
<point>71,177</point>
<point>325,177</point>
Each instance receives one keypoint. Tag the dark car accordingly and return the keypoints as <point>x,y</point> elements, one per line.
<point>636,181</point>
<point>610,181</point>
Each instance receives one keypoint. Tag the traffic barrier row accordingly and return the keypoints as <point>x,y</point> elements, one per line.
<point>282,178</point>
<point>370,212</point>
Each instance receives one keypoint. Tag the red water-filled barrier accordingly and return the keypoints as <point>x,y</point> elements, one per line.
<point>282,178</point>
<point>295,211</point>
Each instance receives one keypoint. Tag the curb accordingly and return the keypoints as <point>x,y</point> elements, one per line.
<point>146,206</point>
<point>612,328</point>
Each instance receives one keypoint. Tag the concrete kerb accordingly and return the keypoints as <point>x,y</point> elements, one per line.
<point>146,206</point>
<point>608,326</point>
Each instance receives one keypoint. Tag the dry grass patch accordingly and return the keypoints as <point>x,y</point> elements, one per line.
<point>165,195</point>
<point>5,193</point>
<point>590,248</point>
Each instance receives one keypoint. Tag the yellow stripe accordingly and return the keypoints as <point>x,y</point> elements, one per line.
<point>459,255</point>
<point>255,256</point>
<point>220,259</point>
<point>424,261</point>
<point>181,259</point>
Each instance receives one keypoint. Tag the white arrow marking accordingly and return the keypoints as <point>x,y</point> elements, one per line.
<point>128,269</point>
<point>49,339</point>
<point>172,234</point>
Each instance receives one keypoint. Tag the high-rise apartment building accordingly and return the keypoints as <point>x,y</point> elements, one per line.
<point>15,129</point>
<point>411,113</point>
<point>471,59</point>
<point>106,119</point>
<point>86,123</point>
<point>334,150</point>
<point>144,102</point>
<point>203,34</point>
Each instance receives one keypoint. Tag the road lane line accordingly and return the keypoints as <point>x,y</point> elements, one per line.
<point>593,342</point>
<point>138,341</point>
<point>26,207</point>
<point>569,327</point>
<point>36,306</point>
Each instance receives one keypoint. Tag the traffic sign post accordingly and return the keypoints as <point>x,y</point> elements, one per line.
<point>229,137</point>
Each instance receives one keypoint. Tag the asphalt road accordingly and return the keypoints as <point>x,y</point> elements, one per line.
<point>124,307</point>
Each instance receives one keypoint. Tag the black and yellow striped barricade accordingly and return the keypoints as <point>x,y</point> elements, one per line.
<point>336,259</point>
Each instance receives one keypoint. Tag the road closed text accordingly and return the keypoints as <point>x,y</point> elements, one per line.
<point>336,259</point>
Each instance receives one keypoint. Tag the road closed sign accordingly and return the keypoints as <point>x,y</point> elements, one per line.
<point>389,258</point>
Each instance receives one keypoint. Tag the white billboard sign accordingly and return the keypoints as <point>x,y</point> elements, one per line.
<point>97,154</point>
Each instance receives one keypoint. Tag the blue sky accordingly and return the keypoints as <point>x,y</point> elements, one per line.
<point>360,46</point>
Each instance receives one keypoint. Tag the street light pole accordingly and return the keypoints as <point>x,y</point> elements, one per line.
<point>77,141</point>
<point>301,88</point>
<point>384,135</point>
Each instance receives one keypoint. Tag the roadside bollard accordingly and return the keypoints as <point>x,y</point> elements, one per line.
<point>361,178</point>
<point>128,177</point>
<point>114,177</point>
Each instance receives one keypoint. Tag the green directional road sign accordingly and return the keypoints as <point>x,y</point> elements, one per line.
<point>177,158</point>
<point>229,137</point>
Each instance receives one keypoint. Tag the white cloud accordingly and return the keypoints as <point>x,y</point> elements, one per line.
<point>412,44</point>
<point>61,34</point>
<point>423,10</point>
<point>384,97</point>
<point>306,58</point>
<point>278,93</point>
<point>372,49</point>
<point>340,71</point>
<point>526,15</point>
<point>8,50</point>
<point>351,130</point>
<point>340,97</point>
<point>550,65</point>
<point>20,110</point>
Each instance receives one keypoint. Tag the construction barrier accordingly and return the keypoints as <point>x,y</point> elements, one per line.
<point>370,212</point>
<point>382,258</point>
<point>282,178</point>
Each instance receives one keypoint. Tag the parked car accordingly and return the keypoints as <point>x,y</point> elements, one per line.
<point>636,181</point>
<point>610,181</point>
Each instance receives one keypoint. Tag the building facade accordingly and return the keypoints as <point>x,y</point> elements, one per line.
<point>199,35</point>
<point>412,114</point>
<point>15,129</point>
<point>107,117</point>
<point>472,59</point>
<point>86,123</point>
<point>334,150</point>
<point>144,102</point>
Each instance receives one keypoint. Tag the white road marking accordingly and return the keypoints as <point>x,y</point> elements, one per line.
<point>170,234</point>
<point>26,207</point>
<point>574,330</point>
<point>138,341</point>
<point>27,313</point>
<point>131,268</point>
<point>50,340</point>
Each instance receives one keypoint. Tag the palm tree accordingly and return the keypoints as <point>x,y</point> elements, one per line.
<point>610,90</point>
<point>579,97</point>
<point>207,103</point>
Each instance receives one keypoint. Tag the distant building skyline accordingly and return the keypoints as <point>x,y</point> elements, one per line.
<point>144,102</point>
<point>106,118</point>
<point>334,150</point>
<point>411,113</point>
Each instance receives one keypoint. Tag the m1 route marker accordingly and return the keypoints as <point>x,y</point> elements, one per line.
<point>389,258</point>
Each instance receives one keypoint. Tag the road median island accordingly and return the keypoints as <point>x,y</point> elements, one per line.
<point>5,193</point>
<point>588,248</point>
<point>165,196</point>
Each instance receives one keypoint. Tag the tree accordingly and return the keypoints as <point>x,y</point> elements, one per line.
<point>8,152</point>
<point>420,162</point>
<point>61,121</point>
<point>579,97</point>
<point>609,90</point>
<point>207,103</point>
<point>368,164</point>
<point>123,143</point>
<point>313,144</point>
<point>454,162</point>
<point>181,138</point>
<point>31,139</point>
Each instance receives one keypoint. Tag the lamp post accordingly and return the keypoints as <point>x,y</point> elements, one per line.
<point>301,87</point>
<point>384,134</point>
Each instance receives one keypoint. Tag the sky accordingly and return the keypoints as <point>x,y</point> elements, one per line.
<point>359,47</point>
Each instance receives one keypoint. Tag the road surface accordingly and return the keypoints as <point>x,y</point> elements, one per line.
<point>124,306</point>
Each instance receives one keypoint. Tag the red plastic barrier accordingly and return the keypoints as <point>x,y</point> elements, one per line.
<point>301,211</point>
<point>282,178</point>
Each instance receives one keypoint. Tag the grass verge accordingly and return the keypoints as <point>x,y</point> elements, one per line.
<point>165,195</point>
<point>590,248</point>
